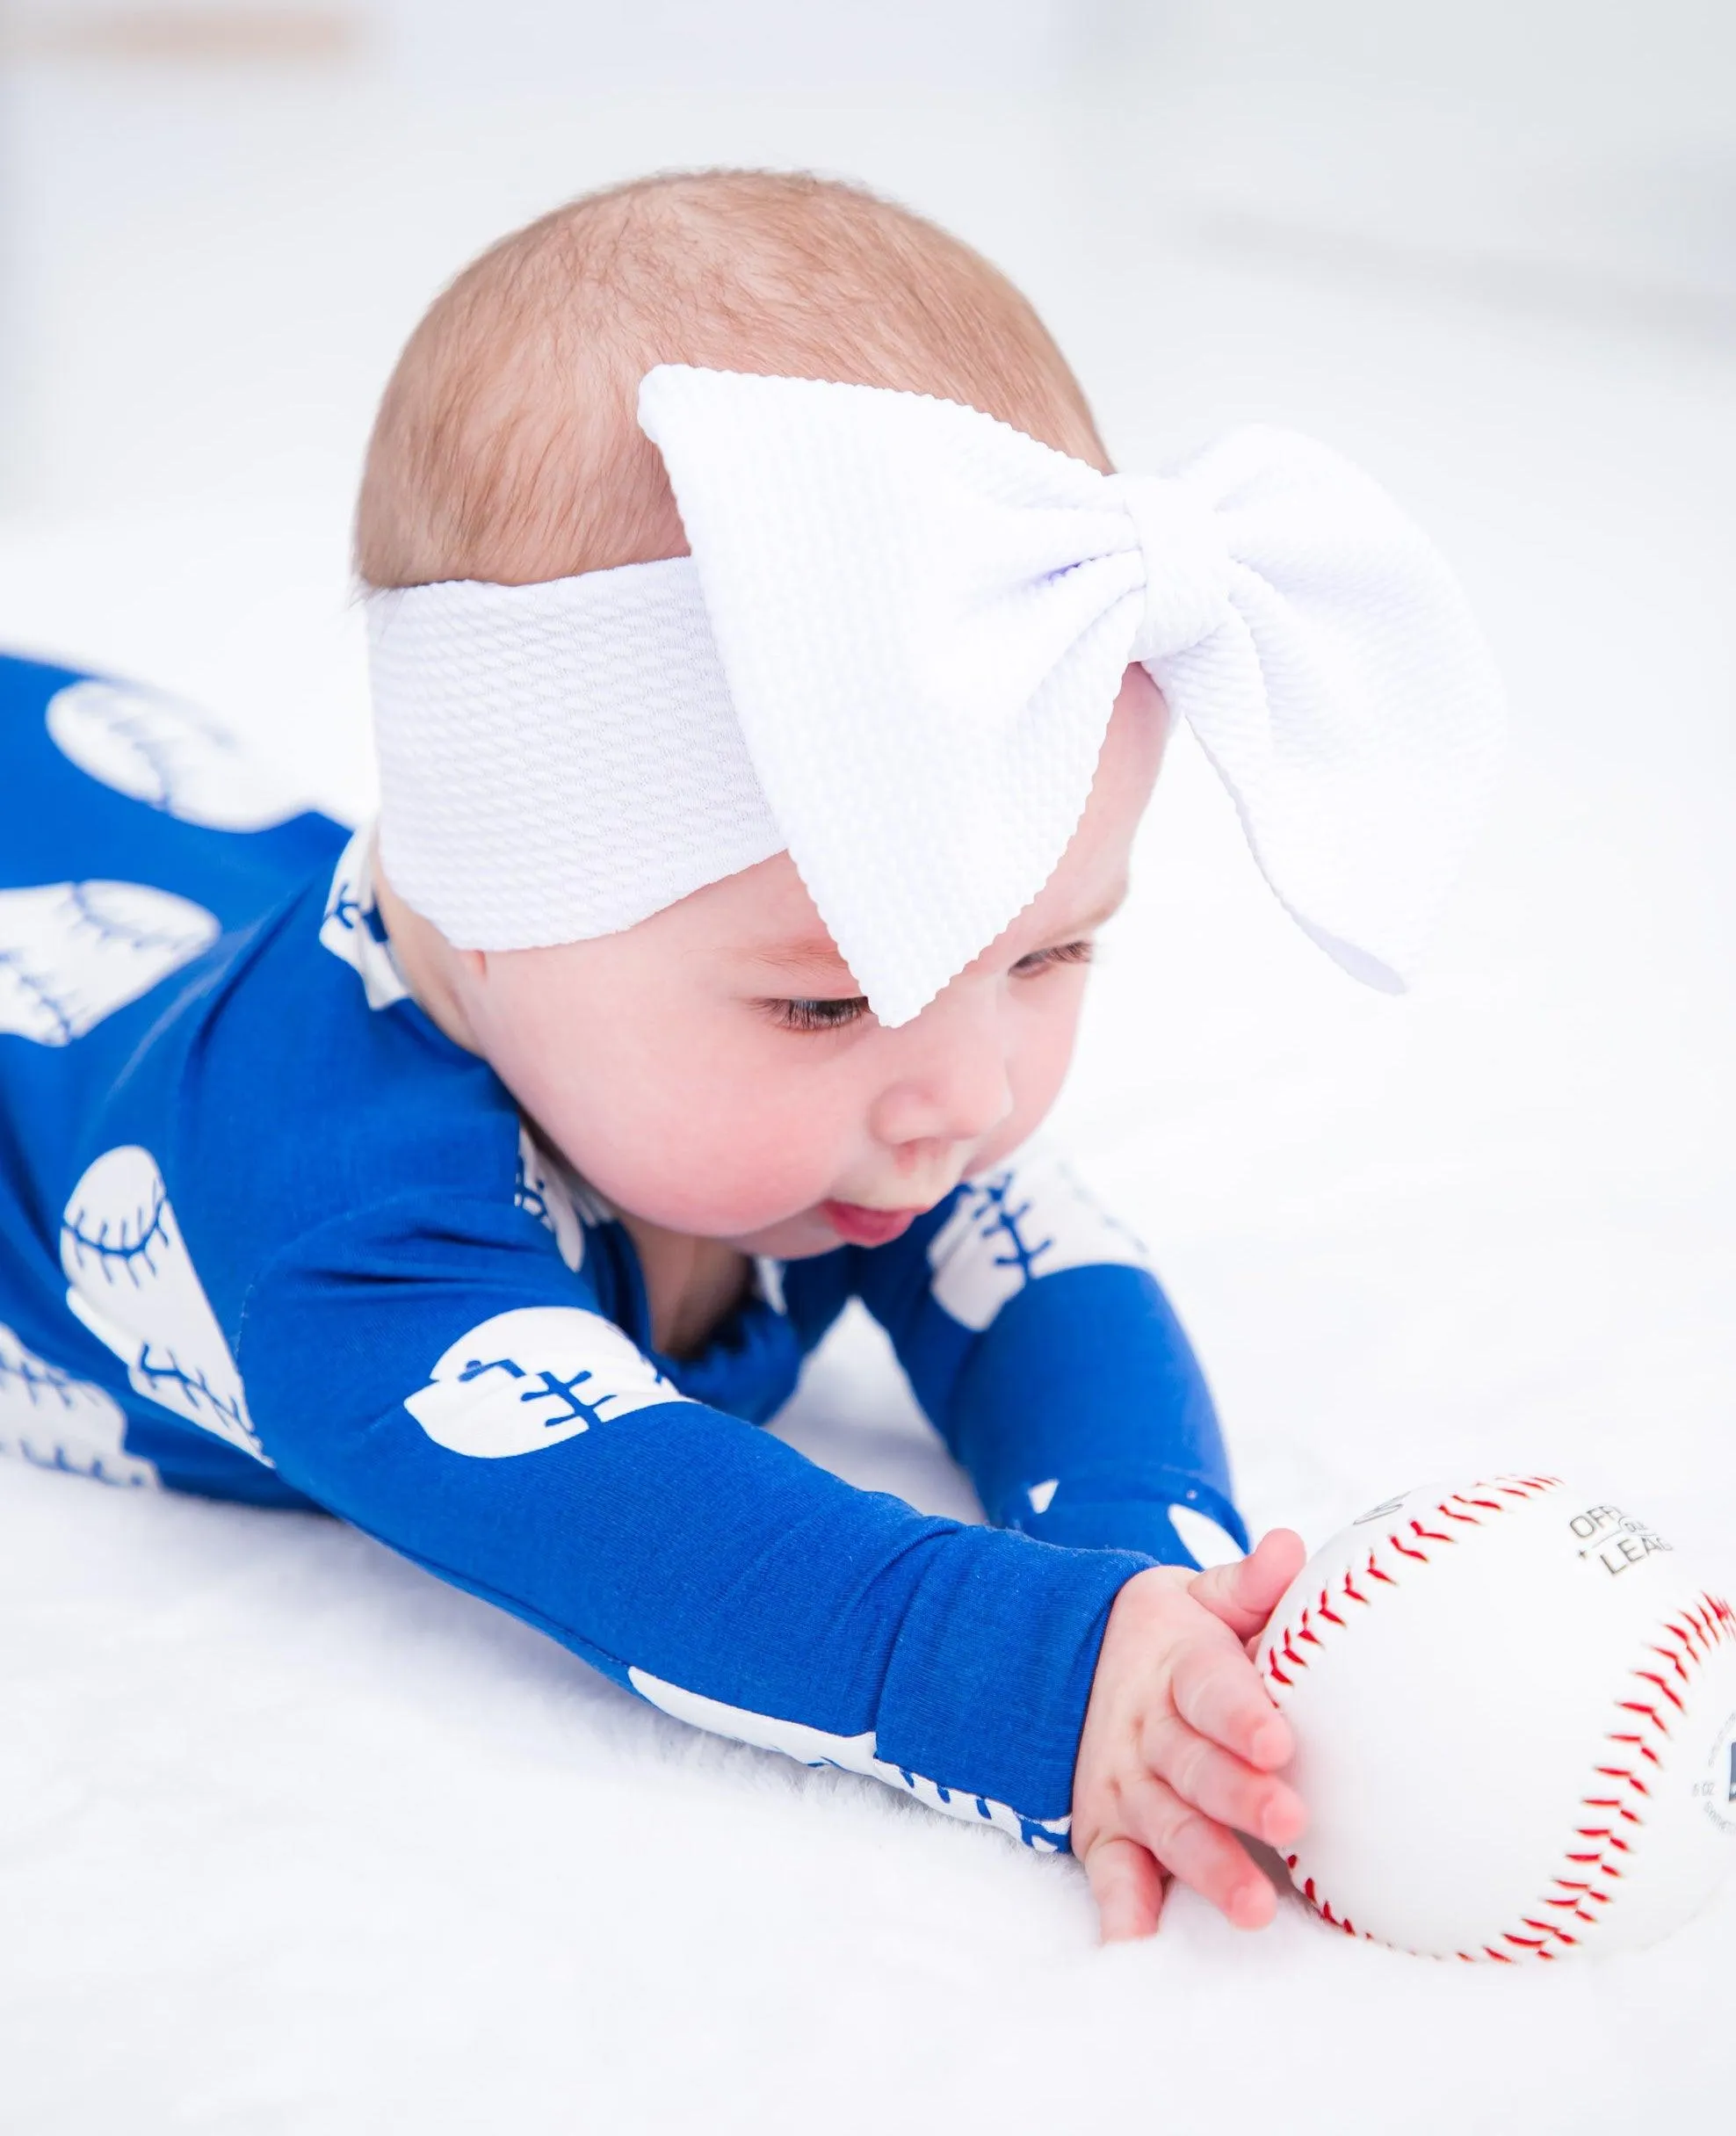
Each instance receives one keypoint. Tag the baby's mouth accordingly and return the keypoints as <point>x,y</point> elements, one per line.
<point>857,1225</point>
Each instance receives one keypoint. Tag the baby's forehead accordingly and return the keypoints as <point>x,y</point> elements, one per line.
<point>763,913</point>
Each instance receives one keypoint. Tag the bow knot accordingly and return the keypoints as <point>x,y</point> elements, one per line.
<point>1187,562</point>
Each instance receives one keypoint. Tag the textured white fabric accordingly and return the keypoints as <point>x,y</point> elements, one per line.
<point>557,761</point>
<point>894,650</point>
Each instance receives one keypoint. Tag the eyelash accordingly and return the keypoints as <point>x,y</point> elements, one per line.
<point>835,1015</point>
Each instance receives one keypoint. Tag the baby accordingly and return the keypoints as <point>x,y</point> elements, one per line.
<point>759,760</point>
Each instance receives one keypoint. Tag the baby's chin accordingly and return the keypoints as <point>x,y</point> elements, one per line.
<point>756,1231</point>
<point>791,1238</point>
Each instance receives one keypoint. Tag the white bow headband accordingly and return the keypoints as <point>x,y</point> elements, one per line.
<point>894,651</point>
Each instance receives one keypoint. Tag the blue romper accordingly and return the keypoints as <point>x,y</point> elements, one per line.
<point>267,1234</point>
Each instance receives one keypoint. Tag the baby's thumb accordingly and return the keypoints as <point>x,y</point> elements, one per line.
<point>1243,1595</point>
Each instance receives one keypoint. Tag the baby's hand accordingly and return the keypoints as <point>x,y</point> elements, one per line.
<point>1181,1744</point>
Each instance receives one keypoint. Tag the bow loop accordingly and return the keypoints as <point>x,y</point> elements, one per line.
<point>1187,565</point>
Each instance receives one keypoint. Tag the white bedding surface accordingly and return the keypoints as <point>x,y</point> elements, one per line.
<point>292,1838</point>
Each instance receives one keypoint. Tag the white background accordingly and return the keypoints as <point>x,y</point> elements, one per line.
<point>293,1839</point>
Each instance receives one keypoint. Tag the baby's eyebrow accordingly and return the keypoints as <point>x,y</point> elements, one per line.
<point>808,953</point>
<point>817,954</point>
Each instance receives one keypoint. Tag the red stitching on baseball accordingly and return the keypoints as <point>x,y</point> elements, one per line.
<point>1651,1676</point>
<point>1621,1773</point>
<point>1710,1622</point>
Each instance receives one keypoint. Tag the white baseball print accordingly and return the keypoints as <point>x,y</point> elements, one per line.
<point>166,755</point>
<point>352,929</point>
<point>548,1190</point>
<point>53,1421</point>
<point>73,953</point>
<point>808,1745</point>
<point>1026,1219</point>
<point>1514,1712</point>
<point>133,1283</point>
<point>529,1377</point>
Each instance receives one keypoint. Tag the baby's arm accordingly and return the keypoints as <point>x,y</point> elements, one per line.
<point>428,1369</point>
<point>1038,1339</point>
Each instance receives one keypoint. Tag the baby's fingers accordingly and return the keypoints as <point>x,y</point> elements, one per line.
<point>1200,1852</point>
<point>1128,1887</point>
<point>1226,1790</point>
<point>1217,1691</point>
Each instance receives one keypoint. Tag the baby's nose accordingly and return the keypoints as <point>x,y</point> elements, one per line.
<point>959,1095</point>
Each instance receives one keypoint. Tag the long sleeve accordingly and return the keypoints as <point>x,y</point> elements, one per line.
<point>433,1374</point>
<point>1039,1342</point>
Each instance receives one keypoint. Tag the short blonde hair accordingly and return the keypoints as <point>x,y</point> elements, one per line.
<point>507,446</point>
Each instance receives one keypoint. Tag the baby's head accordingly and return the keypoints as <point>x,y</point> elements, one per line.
<point>712,1068</point>
<point>766,874</point>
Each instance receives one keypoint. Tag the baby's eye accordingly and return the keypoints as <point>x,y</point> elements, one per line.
<point>1045,959</point>
<point>816,1015</point>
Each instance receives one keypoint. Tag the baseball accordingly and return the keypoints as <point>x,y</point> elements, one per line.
<point>1514,1712</point>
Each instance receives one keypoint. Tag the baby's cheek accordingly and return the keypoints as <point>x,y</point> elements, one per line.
<point>759,1157</point>
<point>720,1157</point>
